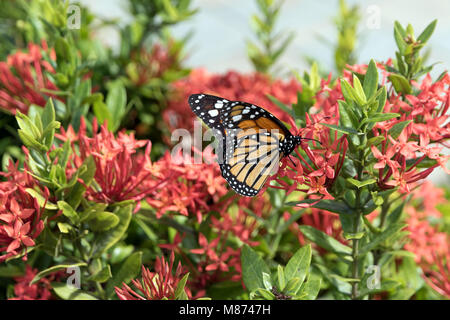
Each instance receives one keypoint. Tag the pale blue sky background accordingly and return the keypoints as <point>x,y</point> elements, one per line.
<point>221,28</point>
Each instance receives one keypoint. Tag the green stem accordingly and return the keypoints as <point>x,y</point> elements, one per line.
<point>355,249</point>
<point>356,229</point>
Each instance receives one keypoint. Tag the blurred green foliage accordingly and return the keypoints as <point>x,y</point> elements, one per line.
<point>271,44</point>
<point>346,23</point>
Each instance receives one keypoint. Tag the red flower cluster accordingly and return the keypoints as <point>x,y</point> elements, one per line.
<point>428,127</point>
<point>20,215</point>
<point>313,170</point>
<point>157,285</point>
<point>24,79</point>
<point>236,220</point>
<point>439,277</point>
<point>430,246</point>
<point>190,189</point>
<point>251,88</point>
<point>121,173</point>
<point>219,260</point>
<point>324,221</point>
<point>40,290</point>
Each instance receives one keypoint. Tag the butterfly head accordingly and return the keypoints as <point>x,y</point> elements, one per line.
<point>289,144</point>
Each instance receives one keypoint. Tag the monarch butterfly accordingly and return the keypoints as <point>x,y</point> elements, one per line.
<point>253,140</point>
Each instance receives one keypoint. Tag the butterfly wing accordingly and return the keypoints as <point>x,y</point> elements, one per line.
<point>208,108</point>
<point>250,158</point>
<point>251,140</point>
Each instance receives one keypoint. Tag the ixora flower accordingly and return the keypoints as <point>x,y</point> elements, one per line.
<point>430,246</point>
<point>426,131</point>
<point>438,277</point>
<point>217,260</point>
<point>315,168</point>
<point>190,189</point>
<point>24,79</point>
<point>121,172</point>
<point>20,214</point>
<point>158,285</point>
<point>41,290</point>
<point>251,88</point>
<point>425,240</point>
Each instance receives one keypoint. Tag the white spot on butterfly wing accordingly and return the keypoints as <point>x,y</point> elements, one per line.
<point>237,118</point>
<point>213,113</point>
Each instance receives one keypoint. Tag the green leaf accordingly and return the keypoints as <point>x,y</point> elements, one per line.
<point>344,130</point>
<point>31,142</point>
<point>281,278</point>
<point>348,226</point>
<point>86,173</point>
<point>388,285</point>
<point>400,83</point>
<point>360,184</point>
<point>116,102</point>
<point>292,286</point>
<point>310,290</point>
<point>41,200</point>
<point>102,276</point>
<point>101,112</point>
<point>336,206</point>
<point>381,98</point>
<point>380,117</point>
<point>374,141</point>
<point>10,271</point>
<point>253,268</point>
<point>325,241</point>
<point>381,237</point>
<point>395,215</point>
<point>129,270</point>
<point>48,114</point>
<point>298,265</point>
<point>370,84</point>
<point>52,269</point>
<point>281,105</point>
<point>347,91</point>
<point>102,221</point>
<point>399,35</point>
<point>64,227</point>
<point>179,291</point>
<point>426,34</point>
<point>267,280</point>
<point>69,212</point>
<point>67,292</point>
<point>397,129</point>
<point>104,241</point>
<point>261,293</point>
<point>359,91</point>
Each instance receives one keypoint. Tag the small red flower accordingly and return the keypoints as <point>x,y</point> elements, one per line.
<point>24,79</point>
<point>20,214</point>
<point>157,285</point>
<point>190,189</point>
<point>121,172</point>
<point>41,290</point>
<point>438,277</point>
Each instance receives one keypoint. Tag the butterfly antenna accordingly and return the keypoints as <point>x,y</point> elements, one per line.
<point>290,158</point>
<point>312,140</point>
